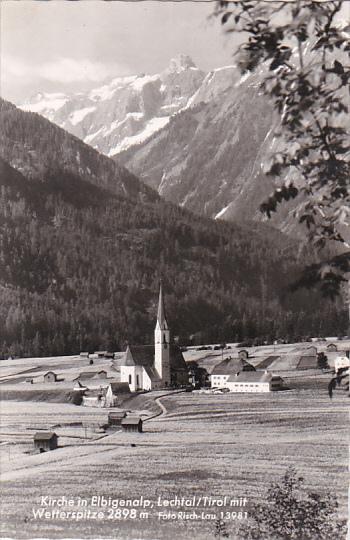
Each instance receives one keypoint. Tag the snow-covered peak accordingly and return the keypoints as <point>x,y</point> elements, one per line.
<point>180,63</point>
<point>126,111</point>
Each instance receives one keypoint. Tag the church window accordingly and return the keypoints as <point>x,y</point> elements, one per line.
<point>137,381</point>
<point>130,379</point>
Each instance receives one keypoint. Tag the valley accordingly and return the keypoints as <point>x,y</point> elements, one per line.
<point>239,443</point>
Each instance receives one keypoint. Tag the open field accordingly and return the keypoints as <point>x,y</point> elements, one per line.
<point>204,445</point>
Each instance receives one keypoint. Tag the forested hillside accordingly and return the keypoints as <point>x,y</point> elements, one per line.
<point>80,263</point>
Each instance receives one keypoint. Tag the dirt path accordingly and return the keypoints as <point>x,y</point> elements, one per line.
<point>163,409</point>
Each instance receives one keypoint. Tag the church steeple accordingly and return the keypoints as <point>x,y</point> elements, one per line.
<point>162,343</point>
<point>161,320</point>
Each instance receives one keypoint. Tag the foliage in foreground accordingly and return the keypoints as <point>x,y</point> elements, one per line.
<point>292,513</point>
<point>302,52</point>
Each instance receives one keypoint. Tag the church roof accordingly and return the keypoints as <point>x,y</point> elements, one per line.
<point>152,373</point>
<point>177,361</point>
<point>143,355</point>
<point>161,311</point>
<point>230,366</point>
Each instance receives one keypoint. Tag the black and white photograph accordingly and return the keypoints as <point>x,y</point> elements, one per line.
<point>174,269</point>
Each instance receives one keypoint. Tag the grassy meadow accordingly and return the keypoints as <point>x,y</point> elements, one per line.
<point>205,445</point>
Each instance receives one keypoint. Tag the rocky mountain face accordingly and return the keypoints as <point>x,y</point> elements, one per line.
<point>83,244</point>
<point>127,110</point>
<point>199,139</point>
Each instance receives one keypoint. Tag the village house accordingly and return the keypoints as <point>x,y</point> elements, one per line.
<point>226,368</point>
<point>45,441</point>
<point>114,391</point>
<point>254,381</point>
<point>50,376</point>
<point>150,367</point>
<point>132,424</point>
<point>95,397</point>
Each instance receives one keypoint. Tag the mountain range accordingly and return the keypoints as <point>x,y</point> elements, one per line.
<point>83,244</point>
<point>200,139</point>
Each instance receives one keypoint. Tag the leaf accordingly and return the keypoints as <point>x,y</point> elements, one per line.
<point>338,68</point>
<point>226,17</point>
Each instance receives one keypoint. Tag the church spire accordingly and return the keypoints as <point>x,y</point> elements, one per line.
<point>161,321</point>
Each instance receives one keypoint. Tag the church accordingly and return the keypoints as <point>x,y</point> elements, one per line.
<point>151,367</point>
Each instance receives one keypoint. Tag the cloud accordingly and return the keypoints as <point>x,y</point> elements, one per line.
<point>60,70</point>
<point>67,70</point>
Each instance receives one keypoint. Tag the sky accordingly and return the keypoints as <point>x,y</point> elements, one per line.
<point>55,46</point>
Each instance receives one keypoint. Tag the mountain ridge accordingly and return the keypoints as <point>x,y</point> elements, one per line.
<point>200,139</point>
<point>81,259</point>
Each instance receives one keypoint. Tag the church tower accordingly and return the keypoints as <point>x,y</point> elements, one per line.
<point>162,343</point>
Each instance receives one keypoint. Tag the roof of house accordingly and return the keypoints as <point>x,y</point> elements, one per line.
<point>230,366</point>
<point>251,376</point>
<point>307,362</point>
<point>133,420</point>
<point>44,435</point>
<point>89,374</point>
<point>117,414</point>
<point>119,387</point>
<point>95,392</point>
<point>267,361</point>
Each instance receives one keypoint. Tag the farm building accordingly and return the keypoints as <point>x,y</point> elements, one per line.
<point>132,423</point>
<point>227,368</point>
<point>50,376</point>
<point>45,441</point>
<point>161,365</point>
<point>95,397</point>
<point>115,417</point>
<point>311,351</point>
<point>308,362</point>
<point>266,363</point>
<point>331,347</point>
<point>101,354</point>
<point>114,390</point>
<point>29,380</point>
<point>243,354</point>
<point>84,354</point>
<point>254,381</point>
<point>341,362</point>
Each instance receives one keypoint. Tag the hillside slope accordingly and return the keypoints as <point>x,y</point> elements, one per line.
<point>81,259</point>
<point>200,139</point>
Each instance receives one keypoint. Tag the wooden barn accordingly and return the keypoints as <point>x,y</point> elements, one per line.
<point>243,354</point>
<point>45,441</point>
<point>50,376</point>
<point>132,424</point>
<point>115,418</point>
